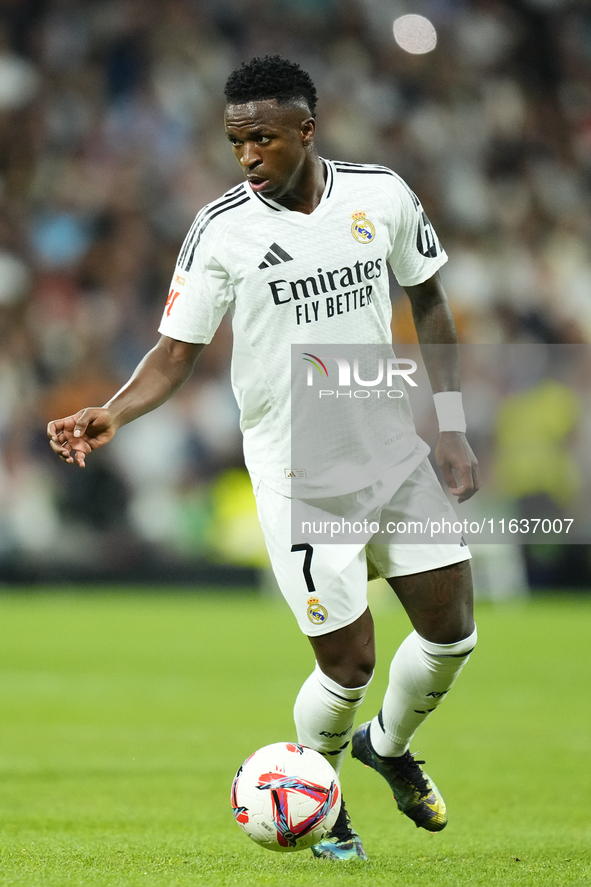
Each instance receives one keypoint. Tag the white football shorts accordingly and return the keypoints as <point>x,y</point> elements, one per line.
<point>326,584</point>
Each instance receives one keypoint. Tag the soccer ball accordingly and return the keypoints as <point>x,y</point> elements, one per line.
<point>286,797</point>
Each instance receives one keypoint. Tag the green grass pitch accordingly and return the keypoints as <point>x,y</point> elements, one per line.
<point>124,717</point>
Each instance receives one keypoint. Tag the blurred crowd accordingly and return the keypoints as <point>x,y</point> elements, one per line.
<point>111,139</point>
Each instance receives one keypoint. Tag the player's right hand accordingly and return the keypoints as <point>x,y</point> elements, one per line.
<point>75,436</point>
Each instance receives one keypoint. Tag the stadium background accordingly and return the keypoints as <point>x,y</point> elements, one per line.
<point>111,140</point>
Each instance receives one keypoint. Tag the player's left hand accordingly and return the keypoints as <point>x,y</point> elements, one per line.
<point>458,464</point>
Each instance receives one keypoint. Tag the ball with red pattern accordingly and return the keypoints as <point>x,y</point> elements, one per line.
<point>286,797</point>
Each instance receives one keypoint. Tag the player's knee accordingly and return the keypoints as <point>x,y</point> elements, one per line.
<point>457,631</point>
<point>351,670</point>
<point>347,655</point>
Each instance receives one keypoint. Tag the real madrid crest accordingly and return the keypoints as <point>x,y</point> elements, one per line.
<point>362,229</point>
<point>316,612</point>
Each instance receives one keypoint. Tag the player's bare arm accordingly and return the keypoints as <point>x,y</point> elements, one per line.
<point>160,374</point>
<point>435,326</point>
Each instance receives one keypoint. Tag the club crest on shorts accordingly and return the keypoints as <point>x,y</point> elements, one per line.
<point>316,612</point>
<point>362,229</point>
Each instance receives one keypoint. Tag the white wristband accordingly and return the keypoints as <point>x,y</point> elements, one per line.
<point>450,412</point>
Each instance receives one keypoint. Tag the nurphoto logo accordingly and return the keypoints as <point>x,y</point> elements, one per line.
<point>386,370</point>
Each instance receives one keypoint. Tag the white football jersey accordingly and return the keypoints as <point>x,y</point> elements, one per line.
<point>290,278</point>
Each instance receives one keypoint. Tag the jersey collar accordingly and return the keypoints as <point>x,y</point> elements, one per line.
<point>277,207</point>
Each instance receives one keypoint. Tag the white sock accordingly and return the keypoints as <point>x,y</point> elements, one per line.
<point>324,713</point>
<point>421,674</point>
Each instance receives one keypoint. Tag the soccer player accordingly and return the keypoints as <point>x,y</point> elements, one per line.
<point>298,254</point>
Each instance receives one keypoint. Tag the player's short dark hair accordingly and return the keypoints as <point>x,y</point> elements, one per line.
<point>271,77</point>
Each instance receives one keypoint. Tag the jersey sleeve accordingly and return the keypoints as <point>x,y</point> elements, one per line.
<point>416,252</point>
<point>200,294</point>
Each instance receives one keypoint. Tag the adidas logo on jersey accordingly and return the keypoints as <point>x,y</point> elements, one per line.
<point>275,256</point>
